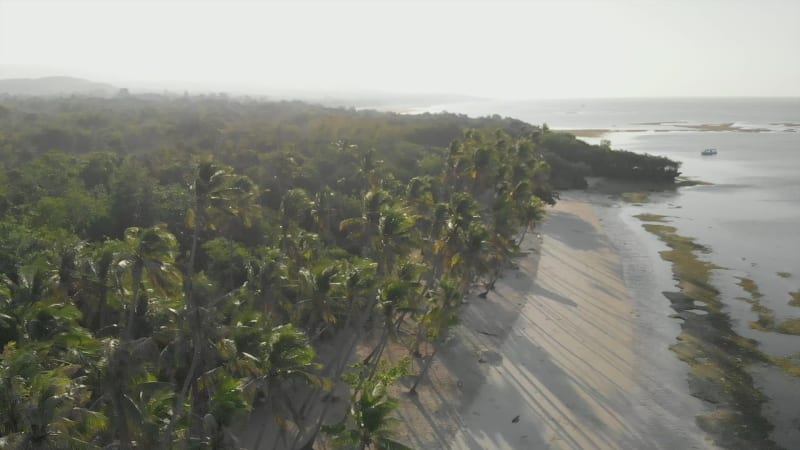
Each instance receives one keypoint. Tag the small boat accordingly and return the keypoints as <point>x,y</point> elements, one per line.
<point>709,152</point>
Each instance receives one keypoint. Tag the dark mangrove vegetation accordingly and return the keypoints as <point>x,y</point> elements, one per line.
<point>169,265</point>
<point>572,160</point>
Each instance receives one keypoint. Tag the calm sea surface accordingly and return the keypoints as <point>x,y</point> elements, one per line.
<point>749,217</point>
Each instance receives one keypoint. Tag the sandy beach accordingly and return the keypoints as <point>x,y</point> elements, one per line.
<point>548,360</point>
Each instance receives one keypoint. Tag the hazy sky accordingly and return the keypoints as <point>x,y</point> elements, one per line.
<point>522,49</point>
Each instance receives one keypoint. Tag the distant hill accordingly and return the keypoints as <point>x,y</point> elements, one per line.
<point>55,86</point>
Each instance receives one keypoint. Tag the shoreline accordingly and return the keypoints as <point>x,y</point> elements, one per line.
<point>549,359</point>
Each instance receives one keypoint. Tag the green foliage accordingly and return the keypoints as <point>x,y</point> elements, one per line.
<point>370,420</point>
<point>169,264</point>
<point>573,159</point>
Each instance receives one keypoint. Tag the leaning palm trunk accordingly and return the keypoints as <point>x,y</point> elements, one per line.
<point>340,363</point>
<point>122,432</point>
<point>448,307</point>
<point>424,372</point>
<point>137,281</point>
<point>377,356</point>
<point>181,399</point>
<point>522,236</point>
<point>418,339</point>
<point>196,354</point>
<point>428,363</point>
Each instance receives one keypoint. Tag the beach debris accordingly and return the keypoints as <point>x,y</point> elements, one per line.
<point>515,419</point>
<point>490,357</point>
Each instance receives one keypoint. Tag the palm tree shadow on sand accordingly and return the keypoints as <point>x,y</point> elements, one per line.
<point>543,292</point>
<point>574,232</point>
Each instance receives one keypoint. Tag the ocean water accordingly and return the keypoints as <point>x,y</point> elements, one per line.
<point>749,217</point>
<point>638,113</point>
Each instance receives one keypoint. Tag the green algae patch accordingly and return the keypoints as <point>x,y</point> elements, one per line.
<point>789,364</point>
<point>790,326</point>
<point>750,287</point>
<point>766,317</point>
<point>784,274</point>
<point>795,301</point>
<point>651,218</point>
<point>692,273</point>
<point>635,197</point>
<point>686,182</point>
<point>717,357</point>
<point>730,126</point>
<point>766,320</point>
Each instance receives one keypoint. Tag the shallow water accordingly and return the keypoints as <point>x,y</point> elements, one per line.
<point>749,219</point>
<point>661,376</point>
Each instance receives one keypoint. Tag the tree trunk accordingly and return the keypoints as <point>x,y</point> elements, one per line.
<point>196,340</point>
<point>384,341</point>
<point>122,423</point>
<point>340,364</point>
<point>418,340</point>
<point>260,438</point>
<point>400,320</point>
<point>187,383</point>
<point>424,372</point>
<point>524,232</point>
<point>137,281</point>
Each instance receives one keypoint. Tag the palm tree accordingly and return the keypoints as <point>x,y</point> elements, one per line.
<point>296,208</point>
<point>420,194</point>
<point>393,293</point>
<point>66,254</point>
<point>23,298</point>
<point>271,359</point>
<point>394,237</point>
<point>42,403</point>
<point>125,367</point>
<point>323,213</point>
<point>366,228</point>
<point>480,171</point>
<point>268,283</point>
<point>216,193</point>
<point>147,407</point>
<point>532,213</point>
<point>315,288</point>
<point>462,212</point>
<point>372,421</point>
<point>227,407</point>
<point>439,318</point>
<point>96,281</point>
<point>147,254</point>
<point>357,288</point>
<point>368,170</point>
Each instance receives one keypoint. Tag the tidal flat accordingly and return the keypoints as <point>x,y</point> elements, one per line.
<point>717,356</point>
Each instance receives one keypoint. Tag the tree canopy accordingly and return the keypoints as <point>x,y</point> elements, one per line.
<point>170,264</point>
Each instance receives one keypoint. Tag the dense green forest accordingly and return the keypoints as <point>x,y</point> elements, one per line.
<point>168,265</point>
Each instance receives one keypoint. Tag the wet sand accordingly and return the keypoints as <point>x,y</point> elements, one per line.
<point>549,360</point>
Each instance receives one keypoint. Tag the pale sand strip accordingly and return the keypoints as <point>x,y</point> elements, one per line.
<point>553,344</point>
<point>567,366</point>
